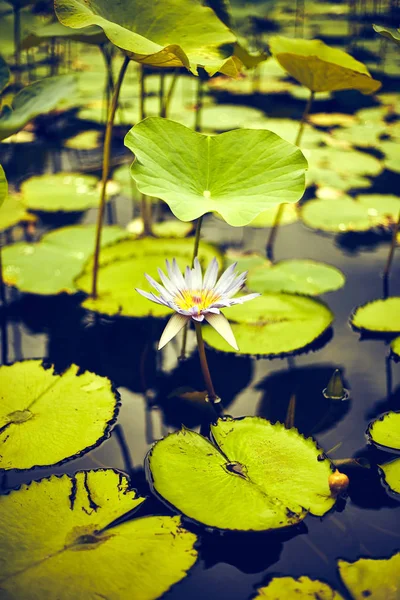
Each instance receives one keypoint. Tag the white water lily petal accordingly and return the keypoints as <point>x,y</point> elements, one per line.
<point>188,278</point>
<point>226,278</point>
<point>165,295</point>
<point>211,275</point>
<point>244,298</point>
<point>222,326</point>
<point>197,279</point>
<point>173,327</point>
<point>152,297</point>
<point>172,289</point>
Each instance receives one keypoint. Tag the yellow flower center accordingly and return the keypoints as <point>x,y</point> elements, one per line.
<point>203,299</point>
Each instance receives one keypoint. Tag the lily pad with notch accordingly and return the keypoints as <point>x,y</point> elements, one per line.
<point>385,431</point>
<point>238,174</point>
<point>48,418</point>
<point>274,325</point>
<point>303,588</point>
<point>371,577</point>
<point>378,316</point>
<point>253,463</point>
<point>390,473</point>
<point>59,539</point>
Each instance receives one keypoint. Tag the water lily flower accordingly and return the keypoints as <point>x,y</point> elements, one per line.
<point>198,298</point>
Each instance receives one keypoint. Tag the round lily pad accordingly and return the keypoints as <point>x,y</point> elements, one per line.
<point>288,130</point>
<point>321,68</point>
<point>307,277</point>
<point>391,150</point>
<point>378,579</point>
<point>337,216</point>
<point>57,541</point>
<point>238,174</point>
<point>244,260</point>
<point>47,418</point>
<point>365,135</point>
<point>303,588</point>
<point>13,211</point>
<point>395,347</point>
<point>385,430</point>
<point>224,117</point>
<point>61,192</point>
<point>123,267</point>
<point>267,218</point>
<point>391,475</point>
<point>378,315</point>
<point>253,463</point>
<point>273,325</point>
<point>381,206</point>
<point>86,140</point>
<point>51,265</point>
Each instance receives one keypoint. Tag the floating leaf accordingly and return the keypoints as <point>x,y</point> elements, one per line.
<point>46,418</point>
<point>158,38</point>
<point>337,216</point>
<point>164,229</point>
<point>4,74</point>
<point>237,174</point>
<point>362,134</point>
<point>300,276</point>
<point>123,267</point>
<point>267,218</point>
<point>391,475</point>
<point>86,140</point>
<point>378,315</point>
<point>13,211</point>
<point>303,588</point>
<point>390,32</point>
<point>395,346</point>
<point>67,192</point>
<point>273,470</point>
<point>288,130</point>
<point>224,117</point>
<point>274,325</point>
<point>3,186</point>
<point>385,430</point>
<point>321,68</point>
<point>381,206</point>
<point>57,543</point>
<point>332,119</point>
<point>51,265</point>
<point>244,260</point>
<point>378,579</point>
<point>391,150</point>
<point>36,99</point>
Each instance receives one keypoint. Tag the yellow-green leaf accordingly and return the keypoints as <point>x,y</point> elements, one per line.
<point>303,588</point>
<point>378,579</point>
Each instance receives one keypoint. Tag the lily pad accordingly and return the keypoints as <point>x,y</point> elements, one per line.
<point>274,325</point>
<point>46,418</point>
<point>378,316</point>
<point>303,588</point>
<point>337,216</point>
<point>67,192</point>
<point>362,134</point>
<point>288,130</point>
<point>171,228</point>
<point>321,68</point>
<point>51,265</point>
<point>301,276</point>
<point>378,579</point>
<point>244,260</point>
<point>238,174</point>
<point>86,140</point>
<point>289,215</point>
<point>36,99</point>
<point>123,267</point>
<point>385,431</point>
<point>13,211</point>
<point>253,463</point>
<point>3,185</point>
<point>391,150</point>
<point>384,207</point>
<point>224,117</point>
<point>58,541</point>
<point>157,38</point>
<point>395,347</point>
<point>391,475</point>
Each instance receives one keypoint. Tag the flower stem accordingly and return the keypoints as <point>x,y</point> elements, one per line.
<point>389,261</point>
<point>273,233</point>
<point>304,117</point>
<point>212,396</point>
<point>199,104</point>
<point>168,95</point>
<point>195,253</point>
<point>106,169</point>
<point>145,206</point>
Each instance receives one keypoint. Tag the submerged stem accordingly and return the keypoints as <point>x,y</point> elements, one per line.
<point>106,169</point>
<point>168,96</point>
<point>212,396</point>
<point>304,117</point>
<point>389,261</point>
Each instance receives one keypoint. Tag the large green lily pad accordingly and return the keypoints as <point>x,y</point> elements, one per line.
<point>158,36</point>
<point>3,185</point>
<point>51,265</point>
<point>57,541</point>
<point>385,430</point>
<point>301,276</point>
<point>67,192</point>
<point>378,315</point>
<point>391,475</point>
<point>274,325</point>
<point>47,418</point>
<point>254,463</point>
<point>303,588</point>
<point>321,68</point>
<point>123,267</point>
<point>238,174</point>
<point>13,211</point>
<point>378,579</point>
<point>36,99</point>
<point>338,216</point>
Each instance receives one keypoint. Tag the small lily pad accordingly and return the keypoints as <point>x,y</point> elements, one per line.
<point>58,541</point>
<point>13,211</point>
<point>378,579</point>
<point>391,150</point>
<point>378,316</point>
<point>365,135</point>
<point>67,192</point>
<point>123,267</point>
<point>224,117</point>
<point>244,260</point>
<point>51,265</point>
<point>171,228</point>
<point>267,218</point>
<point>86,140</point>
<point>337,216</point>
<point>253,463</point>
<point>395,347</point>
<point>307,277</point>
<point>274,325</point>
<point>238,174</point>
<point>46,418</point>
<point>391,475</point>
<point>321,68</point>
<point>303,588</point>
<point>385,431</point>
<point>384,207</point>
<point>288,130</point>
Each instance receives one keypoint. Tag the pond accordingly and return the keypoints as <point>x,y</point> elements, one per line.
<point>239,486</point>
